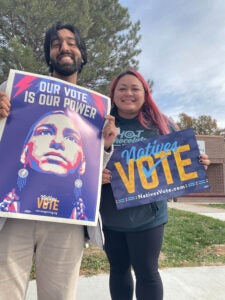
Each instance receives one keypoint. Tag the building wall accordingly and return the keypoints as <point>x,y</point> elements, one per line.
<point>215,149</point>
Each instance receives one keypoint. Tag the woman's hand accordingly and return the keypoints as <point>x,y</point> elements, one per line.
<point>204,159</point>
<point>106,176</point>
<point>109,132</point>
<point>4,105</point>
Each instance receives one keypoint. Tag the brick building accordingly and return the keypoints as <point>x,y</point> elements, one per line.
<point>214,146</point>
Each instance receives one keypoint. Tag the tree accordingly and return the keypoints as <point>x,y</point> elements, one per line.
<point>203,125</point>
<point>110,36</point>
<point>150,83</point>
<point>21,59</point>
<point>206,125</point>
<point>185,121</point>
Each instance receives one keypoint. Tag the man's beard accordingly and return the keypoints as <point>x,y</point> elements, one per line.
<point>66,69</point>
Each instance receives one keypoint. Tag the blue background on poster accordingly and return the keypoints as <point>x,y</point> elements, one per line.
<point>25,111</point>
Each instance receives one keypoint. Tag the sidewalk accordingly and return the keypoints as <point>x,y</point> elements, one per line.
<point>198,283</point>
<point>199,208</point>
<point>192,283</point>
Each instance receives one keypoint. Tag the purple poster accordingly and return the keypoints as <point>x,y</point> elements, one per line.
<point>51,150</point>
<point>157,169</point>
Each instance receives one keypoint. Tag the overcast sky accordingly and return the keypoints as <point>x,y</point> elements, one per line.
<point>183,52</point>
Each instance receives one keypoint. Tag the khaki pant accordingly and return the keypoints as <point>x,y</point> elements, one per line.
<point>55,248</point>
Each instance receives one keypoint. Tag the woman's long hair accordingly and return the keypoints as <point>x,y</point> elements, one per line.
<point>149,113</point>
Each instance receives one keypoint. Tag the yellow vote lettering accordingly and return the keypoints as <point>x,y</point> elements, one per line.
<point>128,181</point>
<point>148,176</point>
<point>155,180</point>
<point>182,163</point>
<point>166,166</point>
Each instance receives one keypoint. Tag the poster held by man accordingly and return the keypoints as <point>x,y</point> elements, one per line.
<point>52,151</point>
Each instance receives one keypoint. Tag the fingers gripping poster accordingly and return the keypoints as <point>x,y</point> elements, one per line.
<point>157,169</point>
<point>51,150</point>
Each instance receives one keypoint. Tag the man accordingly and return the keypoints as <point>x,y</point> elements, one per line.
<point>56,248</point>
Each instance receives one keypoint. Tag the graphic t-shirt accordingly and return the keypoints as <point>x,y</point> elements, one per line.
<point>139,217</point>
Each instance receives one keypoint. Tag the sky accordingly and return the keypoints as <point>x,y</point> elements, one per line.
<point>183,52</point>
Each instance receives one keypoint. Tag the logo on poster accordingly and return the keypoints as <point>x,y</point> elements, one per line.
<point>47,203</point>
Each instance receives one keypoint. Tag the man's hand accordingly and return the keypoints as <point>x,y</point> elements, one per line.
<point>4,105</point>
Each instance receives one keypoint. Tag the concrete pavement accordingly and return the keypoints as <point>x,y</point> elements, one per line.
<point>198,283</point>
<point>199,208</point>
<point>192,283</point>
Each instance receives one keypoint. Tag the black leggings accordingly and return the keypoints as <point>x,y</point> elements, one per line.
<point>141,251</point>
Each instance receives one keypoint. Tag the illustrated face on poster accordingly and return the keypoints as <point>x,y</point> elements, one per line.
<point>54,145</point>
<point>54,172</point>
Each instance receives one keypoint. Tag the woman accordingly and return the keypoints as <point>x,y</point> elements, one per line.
<point>133,236</point>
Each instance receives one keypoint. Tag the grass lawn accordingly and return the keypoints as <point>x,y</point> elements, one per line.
<point>190,240</point>
<point>217,205</point>
<point>193,240</point>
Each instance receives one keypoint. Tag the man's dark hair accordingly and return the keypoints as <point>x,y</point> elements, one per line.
<point>51,34</point>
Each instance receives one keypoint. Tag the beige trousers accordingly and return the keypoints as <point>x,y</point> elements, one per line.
<point>55,248</point>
